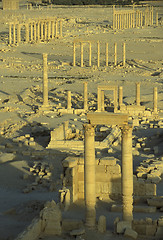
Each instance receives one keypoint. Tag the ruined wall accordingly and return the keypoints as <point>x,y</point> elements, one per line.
<point>108,179</point>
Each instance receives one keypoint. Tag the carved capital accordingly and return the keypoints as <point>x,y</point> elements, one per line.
<point>89,129</point>
<point>126,129</point>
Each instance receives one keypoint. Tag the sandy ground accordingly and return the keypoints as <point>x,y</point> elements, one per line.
<point>21,93</point>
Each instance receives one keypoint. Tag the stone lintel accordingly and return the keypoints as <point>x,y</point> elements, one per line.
<point>106,87</point>
<point>107,118</point>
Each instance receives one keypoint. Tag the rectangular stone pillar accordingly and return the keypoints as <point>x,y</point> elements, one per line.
<point>18,33</point>
<point>102,101</point>
<point>89,176</point>
<point>98,99</point>
<point>49,29</point>
<point>120,96</point>
<point>115,54</point>
<point>45,81</point>
<point>85,96</point>
<point>138,93</point>
<point>98,54</point>
<point>74,54</point>
<point>27,32</point>
<point>90,54</point>
<point>81,54</point>
<point>68,100</point>
<point>106,54</point>
<point>38,31</point>
<point>10,33</point>
<point>157,19</point>
<point>127,173</point>
<point>124,54</point>
<point>155,100</point>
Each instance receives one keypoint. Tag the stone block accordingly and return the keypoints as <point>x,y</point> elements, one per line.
<point>122,225</point>
<point>70,162</point>
<point>102,224</point>
<point>159,233</point>
<point>77,232</point>
<point>110,161</point>
<point>151,230</point>
<point>71,224</point>
<point>130,233</point>
<point>150,189</point>
<point>157,202</point>
<point>140,228</point>
<point>160,222</point>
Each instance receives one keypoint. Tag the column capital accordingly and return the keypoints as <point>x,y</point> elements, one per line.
<point>126,129</point>
<point>89,128</point>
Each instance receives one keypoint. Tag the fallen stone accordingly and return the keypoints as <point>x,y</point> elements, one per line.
<point>77,232</point>
<point>129,233</point>
<point>159,233</point>
<point>5,157</point>
<point>157,202</point>
<point>102,224</point>
<point>122,225</point>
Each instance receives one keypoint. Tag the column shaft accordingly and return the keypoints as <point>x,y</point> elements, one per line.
<point>138,94</point>
<point>27,32</point>
<point>90,54</point>
<point>106,54</point>
<point>120,96</point>
<point>52,29</point>
<point>127,174</point>
<point>74,54</point>
<point>85,96</point>
<point>18,33</point>
<point>102,101</point>
<point>98,54</point>
<point>89,176</point>
<point>81,53</point>
<point>61,29</point>
<point>115,54</point>
<point>31,31</point>
<point>56,28</point>
<point>155,99</point>
<point>115,99</point>
<point>35,34</point>
<point>68,100</point>
<point>45,80</point>
<point>124,54</point>
<point>98,99</point>
<point>14,34</point>
<point>10,36</point>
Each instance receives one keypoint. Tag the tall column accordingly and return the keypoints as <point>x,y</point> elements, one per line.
<point>74,54</point>
<point>49,29</point>
<point>52,29</point>
<point>120,96</point>
<point>113,17</point>
<point>68,100</point>
<point>14,34</point>
<point>81,53</point>
<point>31,31</point>
<point>38,31</point>
<point>124,54</point>
<point>27,32</point>
<point>98,99</point>
<point>90,54</point>
<point>127,174</point>
<point>18,33</point>
<point>10,36</point>
<point>155,100</point>
<point>85,96</point>
<point>45,81</point>
<point>89,176</point>
<point>152,16</point>
<point>115,54</point>
<point>35,35</point>
<point>42,30</point>
<point>98,54</point>
<point>61,29</point>
<point>56,28</point>
<point>102,101</point>
<point>106,54</point>
<point>115,99</point>
<point>156,18</point>
<point>45,30</point>
<point>138,93</point>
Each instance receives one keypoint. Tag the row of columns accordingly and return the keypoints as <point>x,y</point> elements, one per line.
<point>98,54</point>
<point>123,19</point>
<point>90,180</point>
<point>35,30</point>
<point>30,7</point>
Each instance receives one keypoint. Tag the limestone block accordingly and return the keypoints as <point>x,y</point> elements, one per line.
<point>110,161</point>
<point>159,233</point>
<point>122,225</point>
<point>81,176</point>
<point>153,178</point>
<point>71,224</point>
<point>150,189</point>
<point>160,222</point>
<point>77,232</point>
<point>102,224</point>
<point>151,230</point>
<point>140,228</point>
<point>157,202</point>
<point>130,233</point>
<point>5,157</point>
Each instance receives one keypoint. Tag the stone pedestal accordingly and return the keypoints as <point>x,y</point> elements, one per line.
<point>127,173</point>
<point>89,175</point>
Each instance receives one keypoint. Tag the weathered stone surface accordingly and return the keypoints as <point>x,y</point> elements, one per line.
<point>130,233</point>
<point>159,233</point>
<point>122,225</point>
<point>71,224</point>
<point>77,232</point>
<point>5,157</point>
<point>157,202</point>
<point>102,224</point>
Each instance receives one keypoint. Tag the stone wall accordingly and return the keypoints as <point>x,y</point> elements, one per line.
<point>108,179</point>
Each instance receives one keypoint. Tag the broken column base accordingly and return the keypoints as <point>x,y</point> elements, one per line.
<point>45,108</point>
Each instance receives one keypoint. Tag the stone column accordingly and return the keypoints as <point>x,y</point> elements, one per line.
<point>113,17</point>
<point>98,54</point>
<point>106,54</point>
<point>157,19</point>
<point>52,29</point>
<point>85,96</point>
<point>31,31</point>
<point>14,34</point>
<point>45,30</point>
<point>10,34</point>
<point>74,54</point>
<point>61,29</point>
<point>138,93</point>
<point>56,28</point>
<point>115,99</point>
<point>42,30</point>
<point>81,53</point>
<point>27,32</point>
<point>90,54</point>
<point>152,16</point>
<point>35,35</point>
<point>124,54</point>
<point>89,175</point>
<point>127,173</point>
<point>68,100</point>
<point>18,33</point>
<point>120,96</point>
<point>98,99</point>
<point>155,100</point>
<point>38,31</point>
<point>49,29</point>
<point>45,81</point>
<point>102,101</point>
<point>115,54</point>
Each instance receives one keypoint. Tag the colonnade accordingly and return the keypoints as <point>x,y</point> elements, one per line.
<point>35,30</point>
<point>10,4</point>
<point>90,171</point>
<point>123,19</point>
<point>98,62</point>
